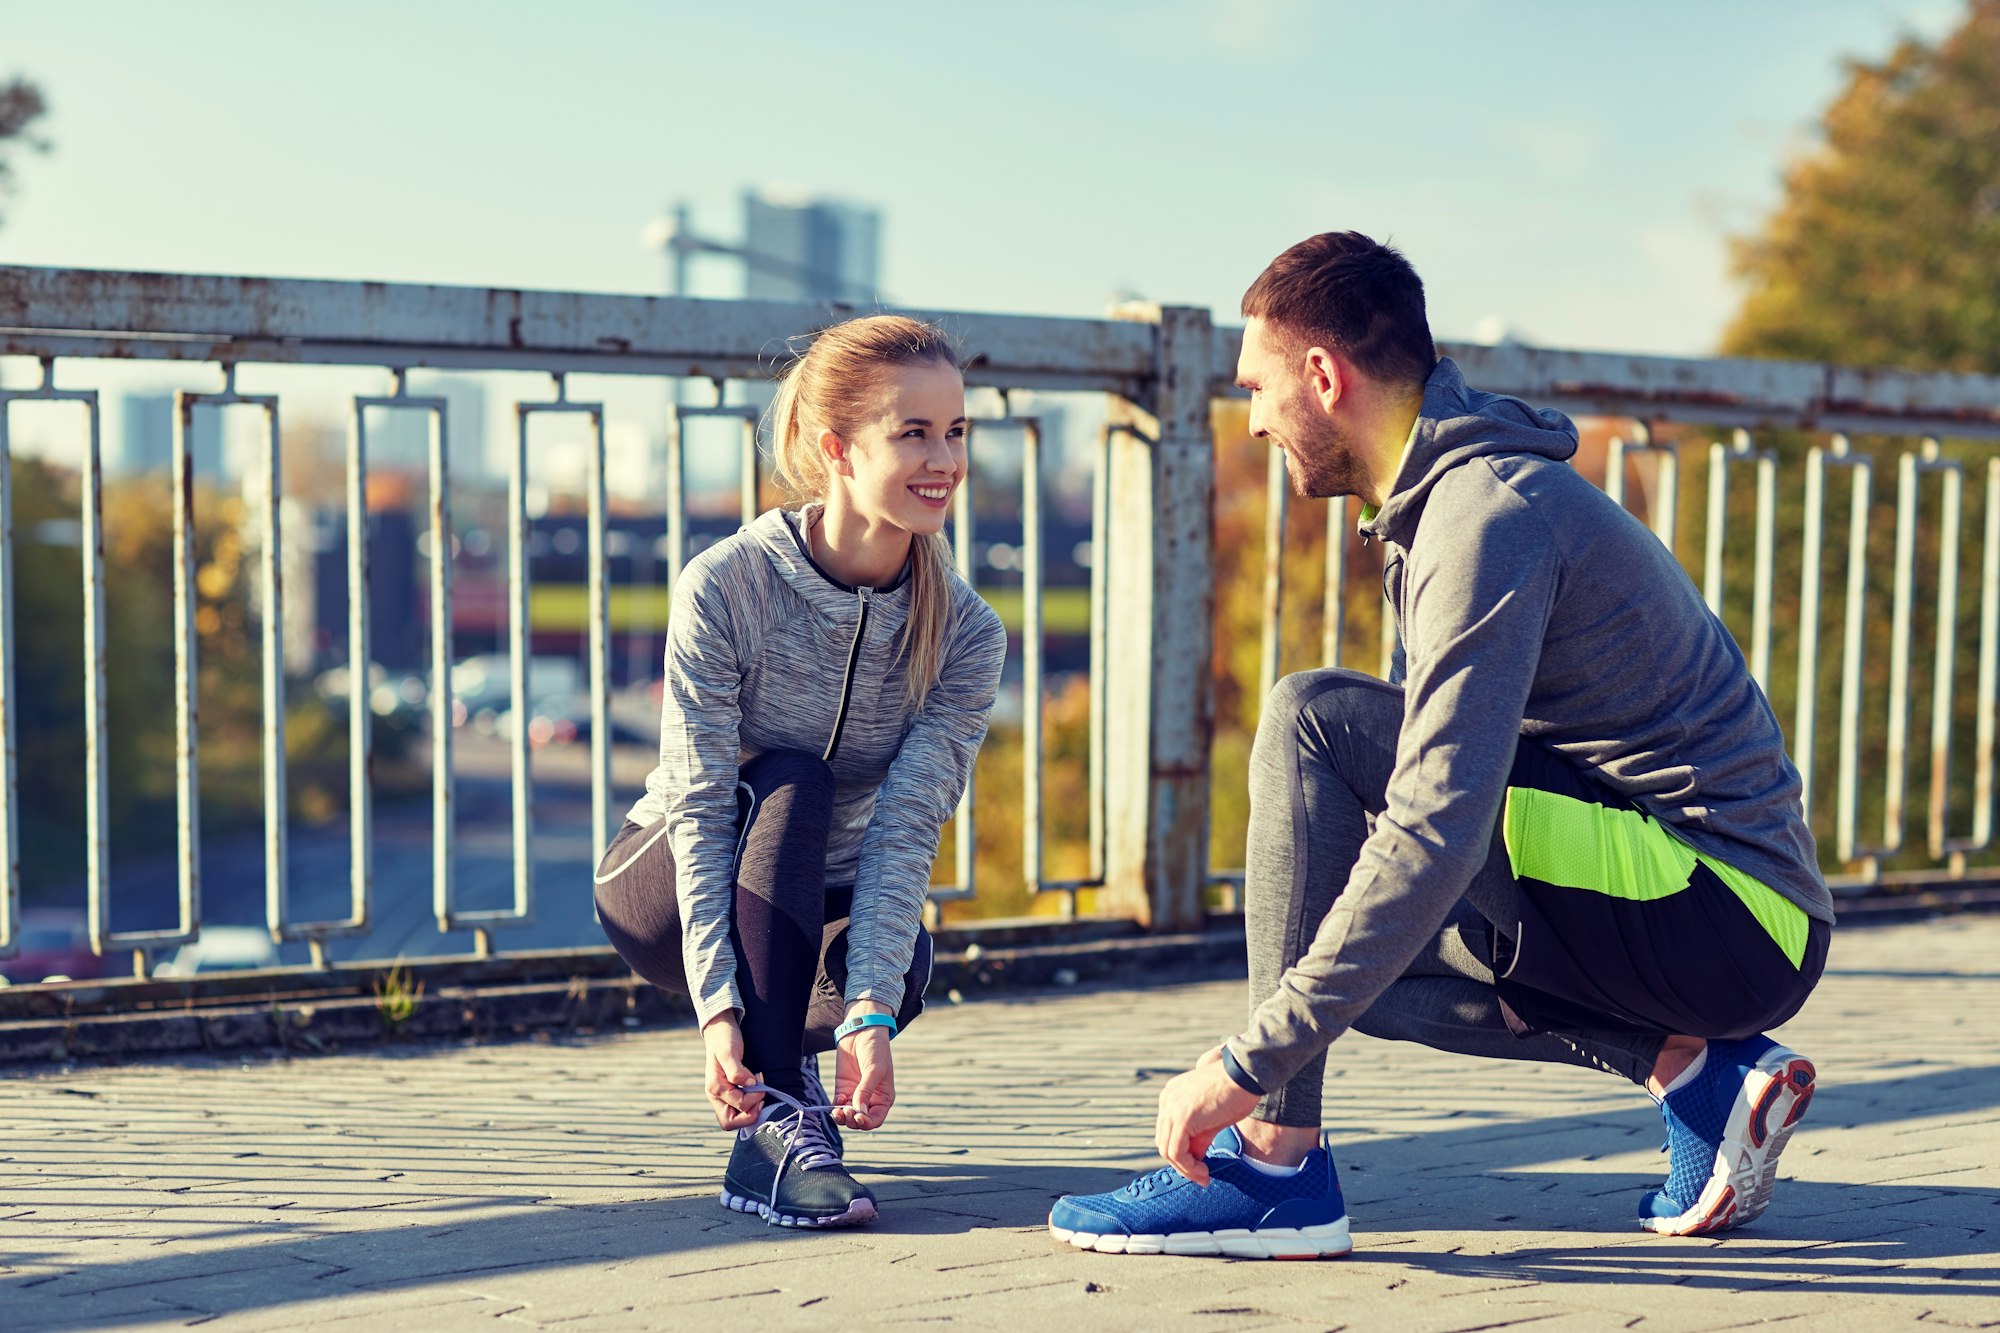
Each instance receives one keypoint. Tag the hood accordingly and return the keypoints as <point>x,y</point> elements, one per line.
<point>1458,423</point>
<point>780,535</point>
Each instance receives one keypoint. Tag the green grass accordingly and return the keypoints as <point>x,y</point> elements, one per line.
<point>1064,610</point>
<point>559,607</point>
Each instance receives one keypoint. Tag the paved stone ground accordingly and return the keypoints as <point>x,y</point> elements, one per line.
<point>570,1184</point>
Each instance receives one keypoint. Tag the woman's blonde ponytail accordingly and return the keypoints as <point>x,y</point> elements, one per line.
<point>930,613</point>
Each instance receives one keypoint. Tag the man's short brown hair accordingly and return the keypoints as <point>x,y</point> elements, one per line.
<point>1341,290</point>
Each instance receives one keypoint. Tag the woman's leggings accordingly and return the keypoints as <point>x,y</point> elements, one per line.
<point>789,930</point>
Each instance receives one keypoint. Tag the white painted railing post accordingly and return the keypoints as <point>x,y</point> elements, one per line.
<point>1161,599</point>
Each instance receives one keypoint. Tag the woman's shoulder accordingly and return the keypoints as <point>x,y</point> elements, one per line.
<point>974,621</point>
<point>732,569</point>
<point>729,590</point>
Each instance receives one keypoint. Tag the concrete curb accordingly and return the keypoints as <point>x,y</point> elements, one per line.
<point>311,1012</point>
<point>305,1011</point>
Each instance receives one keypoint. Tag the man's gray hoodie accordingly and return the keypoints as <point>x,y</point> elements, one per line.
<point>1531,605</point>
<point>767,652</point>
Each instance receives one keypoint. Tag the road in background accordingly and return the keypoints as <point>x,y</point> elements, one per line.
<point>144,891</point>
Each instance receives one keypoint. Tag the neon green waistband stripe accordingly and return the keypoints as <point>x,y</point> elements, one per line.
<point>1782,919</point>
<point>1626,854</point>
<point>1561,840</point>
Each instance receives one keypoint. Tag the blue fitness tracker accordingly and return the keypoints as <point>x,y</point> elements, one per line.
<point>860,1021</point>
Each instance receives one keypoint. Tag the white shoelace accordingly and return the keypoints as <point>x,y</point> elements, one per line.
<point>806,1139</point>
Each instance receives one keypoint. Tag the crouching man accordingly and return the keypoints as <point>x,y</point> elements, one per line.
<point>1567,831</point>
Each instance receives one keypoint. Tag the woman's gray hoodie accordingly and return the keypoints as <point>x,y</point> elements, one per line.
<point>1531,605</point>
<point>759,647</point>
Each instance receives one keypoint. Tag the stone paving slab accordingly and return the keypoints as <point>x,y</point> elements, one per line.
<point>570,1184</point>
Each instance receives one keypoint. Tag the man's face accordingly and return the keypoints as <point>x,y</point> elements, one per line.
<point>1290,409</point>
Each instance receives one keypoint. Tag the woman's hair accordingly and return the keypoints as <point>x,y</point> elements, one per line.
<point>828,388</point>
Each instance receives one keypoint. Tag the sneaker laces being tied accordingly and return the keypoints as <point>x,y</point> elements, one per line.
<point>1153,1180</point>
<point>806,1139</point>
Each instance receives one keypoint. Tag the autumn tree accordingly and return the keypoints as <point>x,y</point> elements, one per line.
<point>1886,248</point>
<point>1885,251</point>
<point>21,108</point>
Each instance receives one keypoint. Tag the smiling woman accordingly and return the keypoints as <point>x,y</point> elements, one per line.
<point>828,679</point>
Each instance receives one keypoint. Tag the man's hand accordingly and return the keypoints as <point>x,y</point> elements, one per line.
<point>864,1075</point>
<point>734,1108</point>
<point>1194,1108</point>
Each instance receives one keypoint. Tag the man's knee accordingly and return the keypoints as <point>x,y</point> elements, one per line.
<point>1331,697</point>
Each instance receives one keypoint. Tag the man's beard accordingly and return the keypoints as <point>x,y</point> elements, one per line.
<point>1322,462</point>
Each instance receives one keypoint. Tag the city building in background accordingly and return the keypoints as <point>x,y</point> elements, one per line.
<point>793,247</point>
<point>400,439</point>
<point>799,248</point>
<point>144,441</point>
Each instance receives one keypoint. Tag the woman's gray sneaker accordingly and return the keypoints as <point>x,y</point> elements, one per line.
<point>788,1171</point>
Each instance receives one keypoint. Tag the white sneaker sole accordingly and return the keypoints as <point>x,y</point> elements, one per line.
<point>1329,1241</point>
<point>1774,1099</point>
<point>858,1213</point>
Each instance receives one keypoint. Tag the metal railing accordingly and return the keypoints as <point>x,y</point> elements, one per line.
<point>1152,499</point>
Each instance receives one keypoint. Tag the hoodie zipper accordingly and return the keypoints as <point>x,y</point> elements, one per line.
<point>847,677</point>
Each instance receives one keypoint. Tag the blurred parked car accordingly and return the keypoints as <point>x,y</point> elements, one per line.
<point>55,946</point>
<point>482,687</point>
<point>565,719</point>
<point>222,949</point>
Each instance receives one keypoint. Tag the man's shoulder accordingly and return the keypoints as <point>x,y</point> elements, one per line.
<point>1526,487</point>
<point>1497,488</point>
<point>1519,471</point>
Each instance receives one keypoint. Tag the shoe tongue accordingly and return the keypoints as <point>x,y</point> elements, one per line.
<point>1228,1143</point>
<point>812,1146</point>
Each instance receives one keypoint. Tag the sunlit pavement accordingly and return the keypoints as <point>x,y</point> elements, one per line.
<point>571,1183</point>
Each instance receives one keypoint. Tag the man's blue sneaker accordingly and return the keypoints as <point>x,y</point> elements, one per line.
<point>1725,1129</point>
<point>1243,1213</point>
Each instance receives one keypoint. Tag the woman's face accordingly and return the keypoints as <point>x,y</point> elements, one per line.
<point>905,456</point>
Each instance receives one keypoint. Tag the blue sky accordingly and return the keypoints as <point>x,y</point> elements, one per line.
<point>1568,169</point>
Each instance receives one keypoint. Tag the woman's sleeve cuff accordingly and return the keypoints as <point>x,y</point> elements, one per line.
<point>887,994</point>
<point>723,1001</point>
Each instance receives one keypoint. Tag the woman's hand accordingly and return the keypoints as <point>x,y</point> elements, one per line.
<point>864,1075</point>
<point>734,1108</point>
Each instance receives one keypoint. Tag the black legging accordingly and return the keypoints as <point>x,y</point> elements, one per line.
<point>788,928</point>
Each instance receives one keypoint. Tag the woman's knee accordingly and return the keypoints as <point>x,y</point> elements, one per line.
<point>805,773</point>
<point>787,817</point>
<point>916,981</point>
